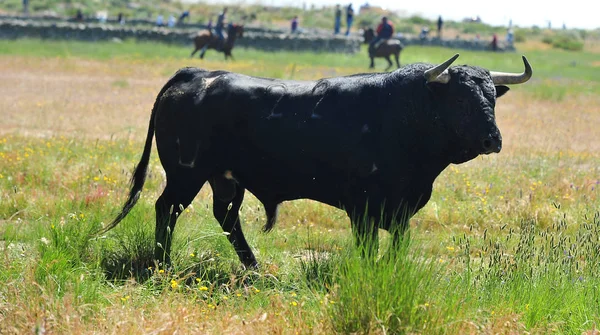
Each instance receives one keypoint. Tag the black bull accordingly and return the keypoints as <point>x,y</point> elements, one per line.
<point>371,144</point>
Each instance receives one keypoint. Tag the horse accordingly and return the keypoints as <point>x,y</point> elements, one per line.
<point>207,40</point>
<point>385,49</point>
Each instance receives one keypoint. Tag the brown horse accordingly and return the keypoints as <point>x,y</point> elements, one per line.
<point>207,40</point>
<point>385,49</point>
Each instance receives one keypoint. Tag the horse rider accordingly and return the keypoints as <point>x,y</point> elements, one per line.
<point>385,31</point>
<point>219,29</point>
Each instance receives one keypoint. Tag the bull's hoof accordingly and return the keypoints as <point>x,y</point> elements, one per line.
<point>251,265</point>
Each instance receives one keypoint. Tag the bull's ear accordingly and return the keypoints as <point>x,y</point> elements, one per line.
<point>501,90</point>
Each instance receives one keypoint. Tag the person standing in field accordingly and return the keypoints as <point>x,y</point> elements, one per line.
<point>183,16</point>
<point>495,42</point>
<point>349,18</point>
<point>338,19</point>
<point>26,7</point>
<point>439,26</point>
<point>294,24</point>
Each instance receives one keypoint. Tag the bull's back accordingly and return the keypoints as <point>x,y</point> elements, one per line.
<point>283,136</point>
<point>293,135</point>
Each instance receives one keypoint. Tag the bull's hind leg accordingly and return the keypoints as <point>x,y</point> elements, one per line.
<point>227,199</point>
<point>182,187</point>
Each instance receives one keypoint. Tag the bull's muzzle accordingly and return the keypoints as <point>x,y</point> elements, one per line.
<point>491,144</point>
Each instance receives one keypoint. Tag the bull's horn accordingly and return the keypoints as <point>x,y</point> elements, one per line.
<point>505,78</point>
<point>440,73</point>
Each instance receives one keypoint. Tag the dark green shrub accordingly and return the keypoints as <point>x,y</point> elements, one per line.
<point>547,39</point>
<point>566,42</point>
<point>520,35</point>
<point>415,19</point>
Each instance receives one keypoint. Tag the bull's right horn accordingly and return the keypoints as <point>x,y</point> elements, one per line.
<point>505,78</point>
<point>439,74</point>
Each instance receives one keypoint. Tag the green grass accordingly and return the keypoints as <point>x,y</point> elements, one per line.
<point>547,64</point>
<point>507,244</point>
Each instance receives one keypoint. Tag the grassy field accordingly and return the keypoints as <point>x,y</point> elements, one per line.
<point>509,243</point>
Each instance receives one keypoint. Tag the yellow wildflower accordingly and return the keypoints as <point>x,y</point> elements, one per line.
<point>174,284</point>
<point>203,288</point>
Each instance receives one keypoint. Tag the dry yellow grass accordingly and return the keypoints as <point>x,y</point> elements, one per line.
<point>114,98</point>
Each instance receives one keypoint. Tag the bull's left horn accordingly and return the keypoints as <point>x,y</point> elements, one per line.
<point>505,78</point>
<point>439,73</point>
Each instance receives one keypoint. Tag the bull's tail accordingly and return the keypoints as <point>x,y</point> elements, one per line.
<point>137,179</point>
<point>139,174</point>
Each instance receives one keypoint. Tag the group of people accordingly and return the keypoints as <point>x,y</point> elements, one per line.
<point>338,19</point>
<point>171,21</point>
<point>337,23</point>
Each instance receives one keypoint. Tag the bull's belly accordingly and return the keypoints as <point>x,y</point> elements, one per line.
<point>280,182</point>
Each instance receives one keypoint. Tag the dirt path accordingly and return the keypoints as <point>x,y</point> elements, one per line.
<point>68,97</point>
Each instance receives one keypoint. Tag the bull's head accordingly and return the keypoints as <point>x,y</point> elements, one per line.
<point>465,98</point>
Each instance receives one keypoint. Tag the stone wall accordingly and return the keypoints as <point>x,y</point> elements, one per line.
<point>269,41</point>
<point>481,45</point>
<point>254,37</point>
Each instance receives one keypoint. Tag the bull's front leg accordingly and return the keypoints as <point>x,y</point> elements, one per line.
<point>397,217</point>
<point>366,236</point>
<point>365,228</point>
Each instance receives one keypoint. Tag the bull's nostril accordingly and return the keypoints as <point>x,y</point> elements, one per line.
<point>487,144</point>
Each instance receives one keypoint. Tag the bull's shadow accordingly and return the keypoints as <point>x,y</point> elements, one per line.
<point>124,264</point>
